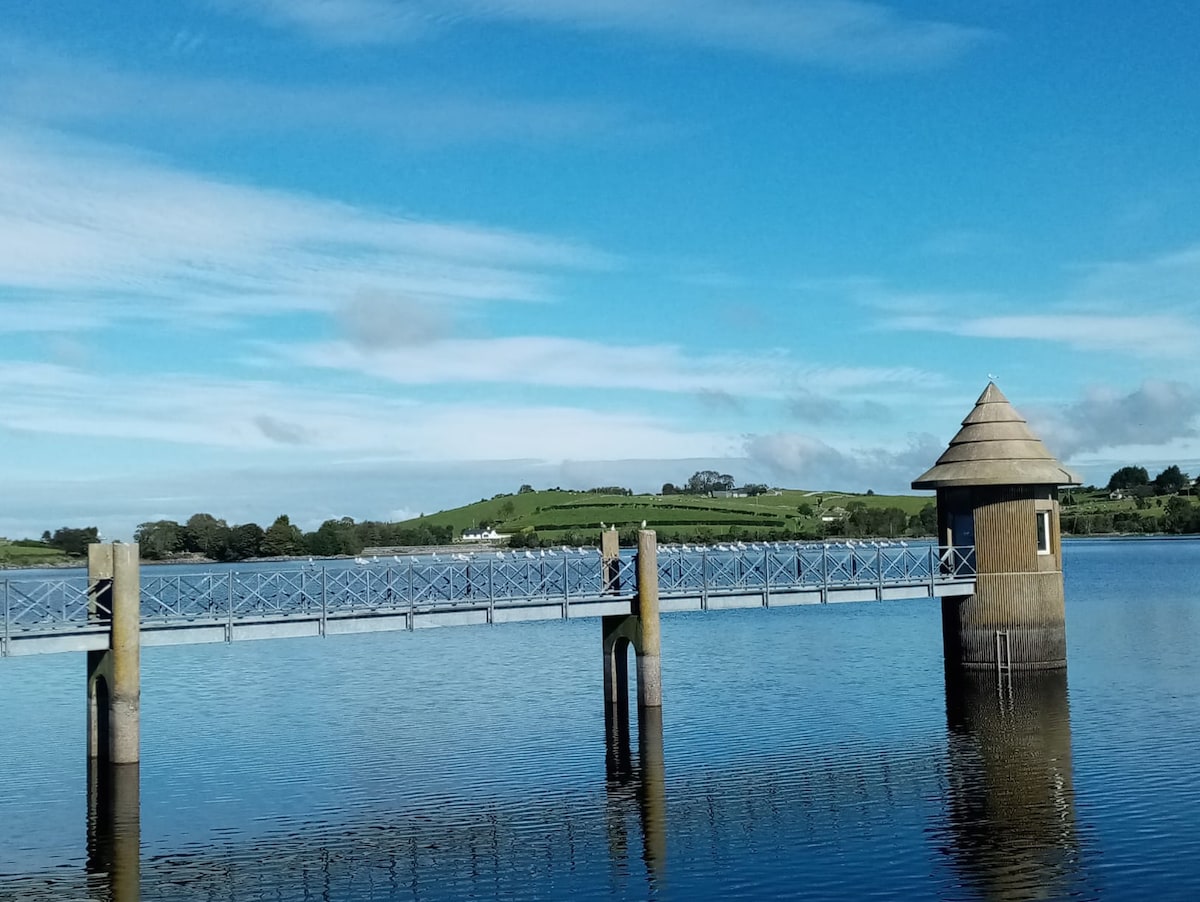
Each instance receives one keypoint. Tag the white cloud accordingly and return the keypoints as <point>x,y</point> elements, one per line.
<point>577,363</point>
<point>125,235</point>
<point>266,417</point>
<point>1149,335</point>
<point>39,85</point>
<point>338,21</point>
<point>1156,413</point>
<point>843,33</point>
<point>807,462</point>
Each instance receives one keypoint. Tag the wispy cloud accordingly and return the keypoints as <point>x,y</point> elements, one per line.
<point>40,85</point>
<point>577,363</point>
<point>1091,313</point>
<point>267,417</point>
<point>1148,335</point>
<point>124,235</point>
<point>841,33</point>
<point>338,21</point>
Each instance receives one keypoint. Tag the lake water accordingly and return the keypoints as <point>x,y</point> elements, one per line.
<point>809,753</point>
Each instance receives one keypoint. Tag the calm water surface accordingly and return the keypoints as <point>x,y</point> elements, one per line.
<point>803,752</point>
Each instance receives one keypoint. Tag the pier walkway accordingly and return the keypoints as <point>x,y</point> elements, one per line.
<point>51,613</point>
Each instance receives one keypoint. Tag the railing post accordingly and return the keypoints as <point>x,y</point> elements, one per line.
<point>324,599</point>
<point>932,570</point>
<point>412,598</point>
<point>229,610</point>
<point>766,577</point>
<point>704,578</point>
<point>566,590</point>
<point>879,569</point>
<point>5,648</point>
<point>824,570</point>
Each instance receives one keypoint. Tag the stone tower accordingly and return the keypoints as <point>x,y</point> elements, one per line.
<point>997,490</point>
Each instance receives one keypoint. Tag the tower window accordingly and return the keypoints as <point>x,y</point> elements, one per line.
<point>1043,532</point>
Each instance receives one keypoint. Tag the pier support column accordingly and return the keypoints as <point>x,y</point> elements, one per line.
<point>640,630</point>
<point>114,674</point>
<point>649,645</point>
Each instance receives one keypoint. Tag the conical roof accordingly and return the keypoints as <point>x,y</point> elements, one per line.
<point>995,447</point>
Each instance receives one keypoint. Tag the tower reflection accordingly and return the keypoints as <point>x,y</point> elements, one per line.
<point>114,831</point>
<point>637,786</point>
<point>1011,813</point>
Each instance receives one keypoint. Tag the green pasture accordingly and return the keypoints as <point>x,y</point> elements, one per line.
<point>556,514</point>
<point>29,555</point>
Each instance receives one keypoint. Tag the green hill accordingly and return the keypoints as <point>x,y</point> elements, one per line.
<point>29,554</point>
<point>572,517</point>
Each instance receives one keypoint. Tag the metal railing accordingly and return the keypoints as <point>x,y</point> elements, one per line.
<point>782,568</point>
<point>417,585</point>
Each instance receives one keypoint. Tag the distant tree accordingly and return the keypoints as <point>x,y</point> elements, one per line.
<point>754,489</point>
<point>507,509</point>
<point>669,489</point>
<point>73,541</point>
<point>805,510</point>
<point>245,541</point>
<point>282,538</point>
<point>1128,478</point>
<point>1181,516</point>
<point>334,537</point>
<point>525,489</point>
<point>159,539</point>
<point>1170,481</point>
<point>47,537</point>
<point>206,535</point>
<point>870,491</point>
<point>925,523</point>
<point>704,481</point>
<point>610,490</point>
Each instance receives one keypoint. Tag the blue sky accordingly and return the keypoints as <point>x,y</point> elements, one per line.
<point>379,257</point>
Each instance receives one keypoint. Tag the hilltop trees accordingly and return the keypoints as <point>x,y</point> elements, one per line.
<point>1136,480</point>
<point>704,481</point>
<point>1170,481</point>
<point>70,540</point>
<point>1128,478</point>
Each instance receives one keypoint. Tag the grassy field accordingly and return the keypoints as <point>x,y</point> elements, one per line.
<point>563,516</point>
<point>29,555</point>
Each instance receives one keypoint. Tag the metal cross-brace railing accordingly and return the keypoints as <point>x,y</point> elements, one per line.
<point>472,588</point>
<point>782,568</point>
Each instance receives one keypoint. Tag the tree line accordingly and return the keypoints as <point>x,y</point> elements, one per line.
<point>214,538</point>
<point>1136,481</point>
<point>705,482</point>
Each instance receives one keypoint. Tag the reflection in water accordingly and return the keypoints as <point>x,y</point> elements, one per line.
<point>642,787</point>
<point>1011,807</point>
<point>114,831</point>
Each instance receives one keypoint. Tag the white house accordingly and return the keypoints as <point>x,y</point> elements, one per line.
<point>480,535</point>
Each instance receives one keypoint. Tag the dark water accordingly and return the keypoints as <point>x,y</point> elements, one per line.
<point>802,753</point>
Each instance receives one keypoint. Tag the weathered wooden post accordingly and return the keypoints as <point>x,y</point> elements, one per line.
<point>639,629</point>
<point>114,674</point>
<point>997,492</point>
